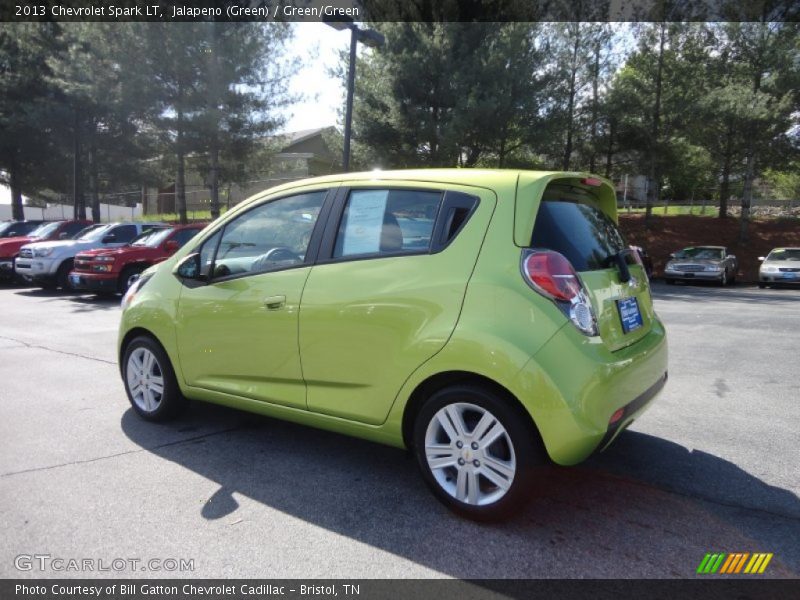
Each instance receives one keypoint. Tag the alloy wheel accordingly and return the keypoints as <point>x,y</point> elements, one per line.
<point>145,379</point>
<point>470,454</point>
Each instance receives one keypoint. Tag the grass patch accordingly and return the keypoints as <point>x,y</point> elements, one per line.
<point>671,211</point>
<point>192,215</point>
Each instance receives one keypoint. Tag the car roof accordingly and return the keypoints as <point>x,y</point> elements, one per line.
<point>475,177</point>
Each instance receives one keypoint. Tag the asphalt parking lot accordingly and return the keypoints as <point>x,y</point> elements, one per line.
<point>711,467</point>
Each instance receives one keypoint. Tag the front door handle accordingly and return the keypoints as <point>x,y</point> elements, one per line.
<point>275,302</point>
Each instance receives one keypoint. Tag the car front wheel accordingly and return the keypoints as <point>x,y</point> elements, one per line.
<point>476,451</point>
<point>150,380</point>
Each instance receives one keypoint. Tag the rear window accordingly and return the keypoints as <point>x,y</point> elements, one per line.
<point>578,230</point>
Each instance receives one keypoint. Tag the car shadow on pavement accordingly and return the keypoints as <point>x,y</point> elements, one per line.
<point>698,293</point>
<point>646,508</point>
<point>81,301</point>
<point>93,303</point>
<point>46,293</point>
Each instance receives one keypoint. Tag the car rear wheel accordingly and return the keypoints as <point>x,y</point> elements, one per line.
<point>150,380</point>
<point>476,451</point>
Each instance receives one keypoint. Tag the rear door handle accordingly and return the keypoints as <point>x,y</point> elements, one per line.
<point>274,302</point>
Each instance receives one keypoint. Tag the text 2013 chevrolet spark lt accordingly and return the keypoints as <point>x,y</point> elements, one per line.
<point>487,320</point>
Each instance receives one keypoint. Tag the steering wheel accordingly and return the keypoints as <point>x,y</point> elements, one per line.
<point>279,254</point>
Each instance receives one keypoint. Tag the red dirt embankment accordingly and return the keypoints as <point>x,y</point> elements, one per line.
<point>668,234</point>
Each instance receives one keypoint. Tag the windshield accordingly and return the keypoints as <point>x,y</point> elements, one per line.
<point>702,253</point>
<point>784,254</point>
<point>44,230</point>
<point>151,238</point>
<point>92,233</point>
<point>4,226</point>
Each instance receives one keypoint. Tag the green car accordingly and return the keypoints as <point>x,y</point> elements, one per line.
<point>489,321</point>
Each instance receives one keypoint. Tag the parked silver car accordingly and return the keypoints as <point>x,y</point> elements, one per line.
<point>705,263</point>
<point>781,266</point>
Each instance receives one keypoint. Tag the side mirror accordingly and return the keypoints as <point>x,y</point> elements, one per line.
<point>171,246</point>
<point>63,235</point>
<point>189,268</point>
<point>672,255</point>
<point>733,256</point>
<point>110,238</point>
<point>762,258</point>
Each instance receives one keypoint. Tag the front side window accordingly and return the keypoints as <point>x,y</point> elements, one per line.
<point>151,238</point>
<point>387,222</point>
<point>44,230</point>
<point>272,236</point>
<point>92,233</point>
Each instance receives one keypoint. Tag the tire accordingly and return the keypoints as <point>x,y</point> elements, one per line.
<point>724,280</point>
<point>669,281</point>
<point>464,481</point>
<point>124,281</point>
<point>146,369</point>
<point>62,275</point>
<point>761,285</point>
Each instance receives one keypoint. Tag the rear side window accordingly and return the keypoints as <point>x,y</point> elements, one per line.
<point>579,231</point>
<point>379,222</point>
<point>184,235</point>
<point>124,233</point>
<point>71,229</point>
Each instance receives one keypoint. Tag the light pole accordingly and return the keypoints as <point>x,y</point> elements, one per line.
<point>368,37</point>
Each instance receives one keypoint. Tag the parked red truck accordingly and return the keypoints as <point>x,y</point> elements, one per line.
<point>44,232</point>
<point>112,270</point>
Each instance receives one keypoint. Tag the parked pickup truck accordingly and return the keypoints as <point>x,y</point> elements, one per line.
<point>109,271</point>
<point>54,230</point>
<point>48,264</point>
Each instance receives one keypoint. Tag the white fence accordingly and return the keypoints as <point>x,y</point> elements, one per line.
<point>54,212</point>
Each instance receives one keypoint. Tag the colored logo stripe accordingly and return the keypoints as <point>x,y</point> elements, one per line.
<point>723,563</point>
<point>758,563</point>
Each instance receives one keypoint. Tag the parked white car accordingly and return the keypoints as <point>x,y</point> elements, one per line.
<point>780,266</point>
<point>48,264</point>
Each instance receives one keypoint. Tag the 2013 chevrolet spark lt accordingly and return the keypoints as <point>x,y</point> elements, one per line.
<point>487,320</point>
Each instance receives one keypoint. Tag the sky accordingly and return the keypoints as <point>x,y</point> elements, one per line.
<point>317,45</point>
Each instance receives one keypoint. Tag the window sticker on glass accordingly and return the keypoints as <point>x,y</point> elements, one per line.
<point>364,224</point>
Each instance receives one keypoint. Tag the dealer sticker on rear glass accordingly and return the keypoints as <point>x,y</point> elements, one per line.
<point>629,314</point>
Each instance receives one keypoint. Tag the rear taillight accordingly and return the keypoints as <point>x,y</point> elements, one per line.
<point>551,274</point>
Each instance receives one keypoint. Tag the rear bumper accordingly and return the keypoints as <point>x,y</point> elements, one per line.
<point>574,385</point>
<point>630,411</point>
<point>93,282</point>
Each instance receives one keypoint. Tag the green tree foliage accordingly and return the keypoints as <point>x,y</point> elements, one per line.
<point>448,94</point>
<point>108,107</point>
<point>31,142</point>
<point>239,101</point>
<point>102,86</point>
